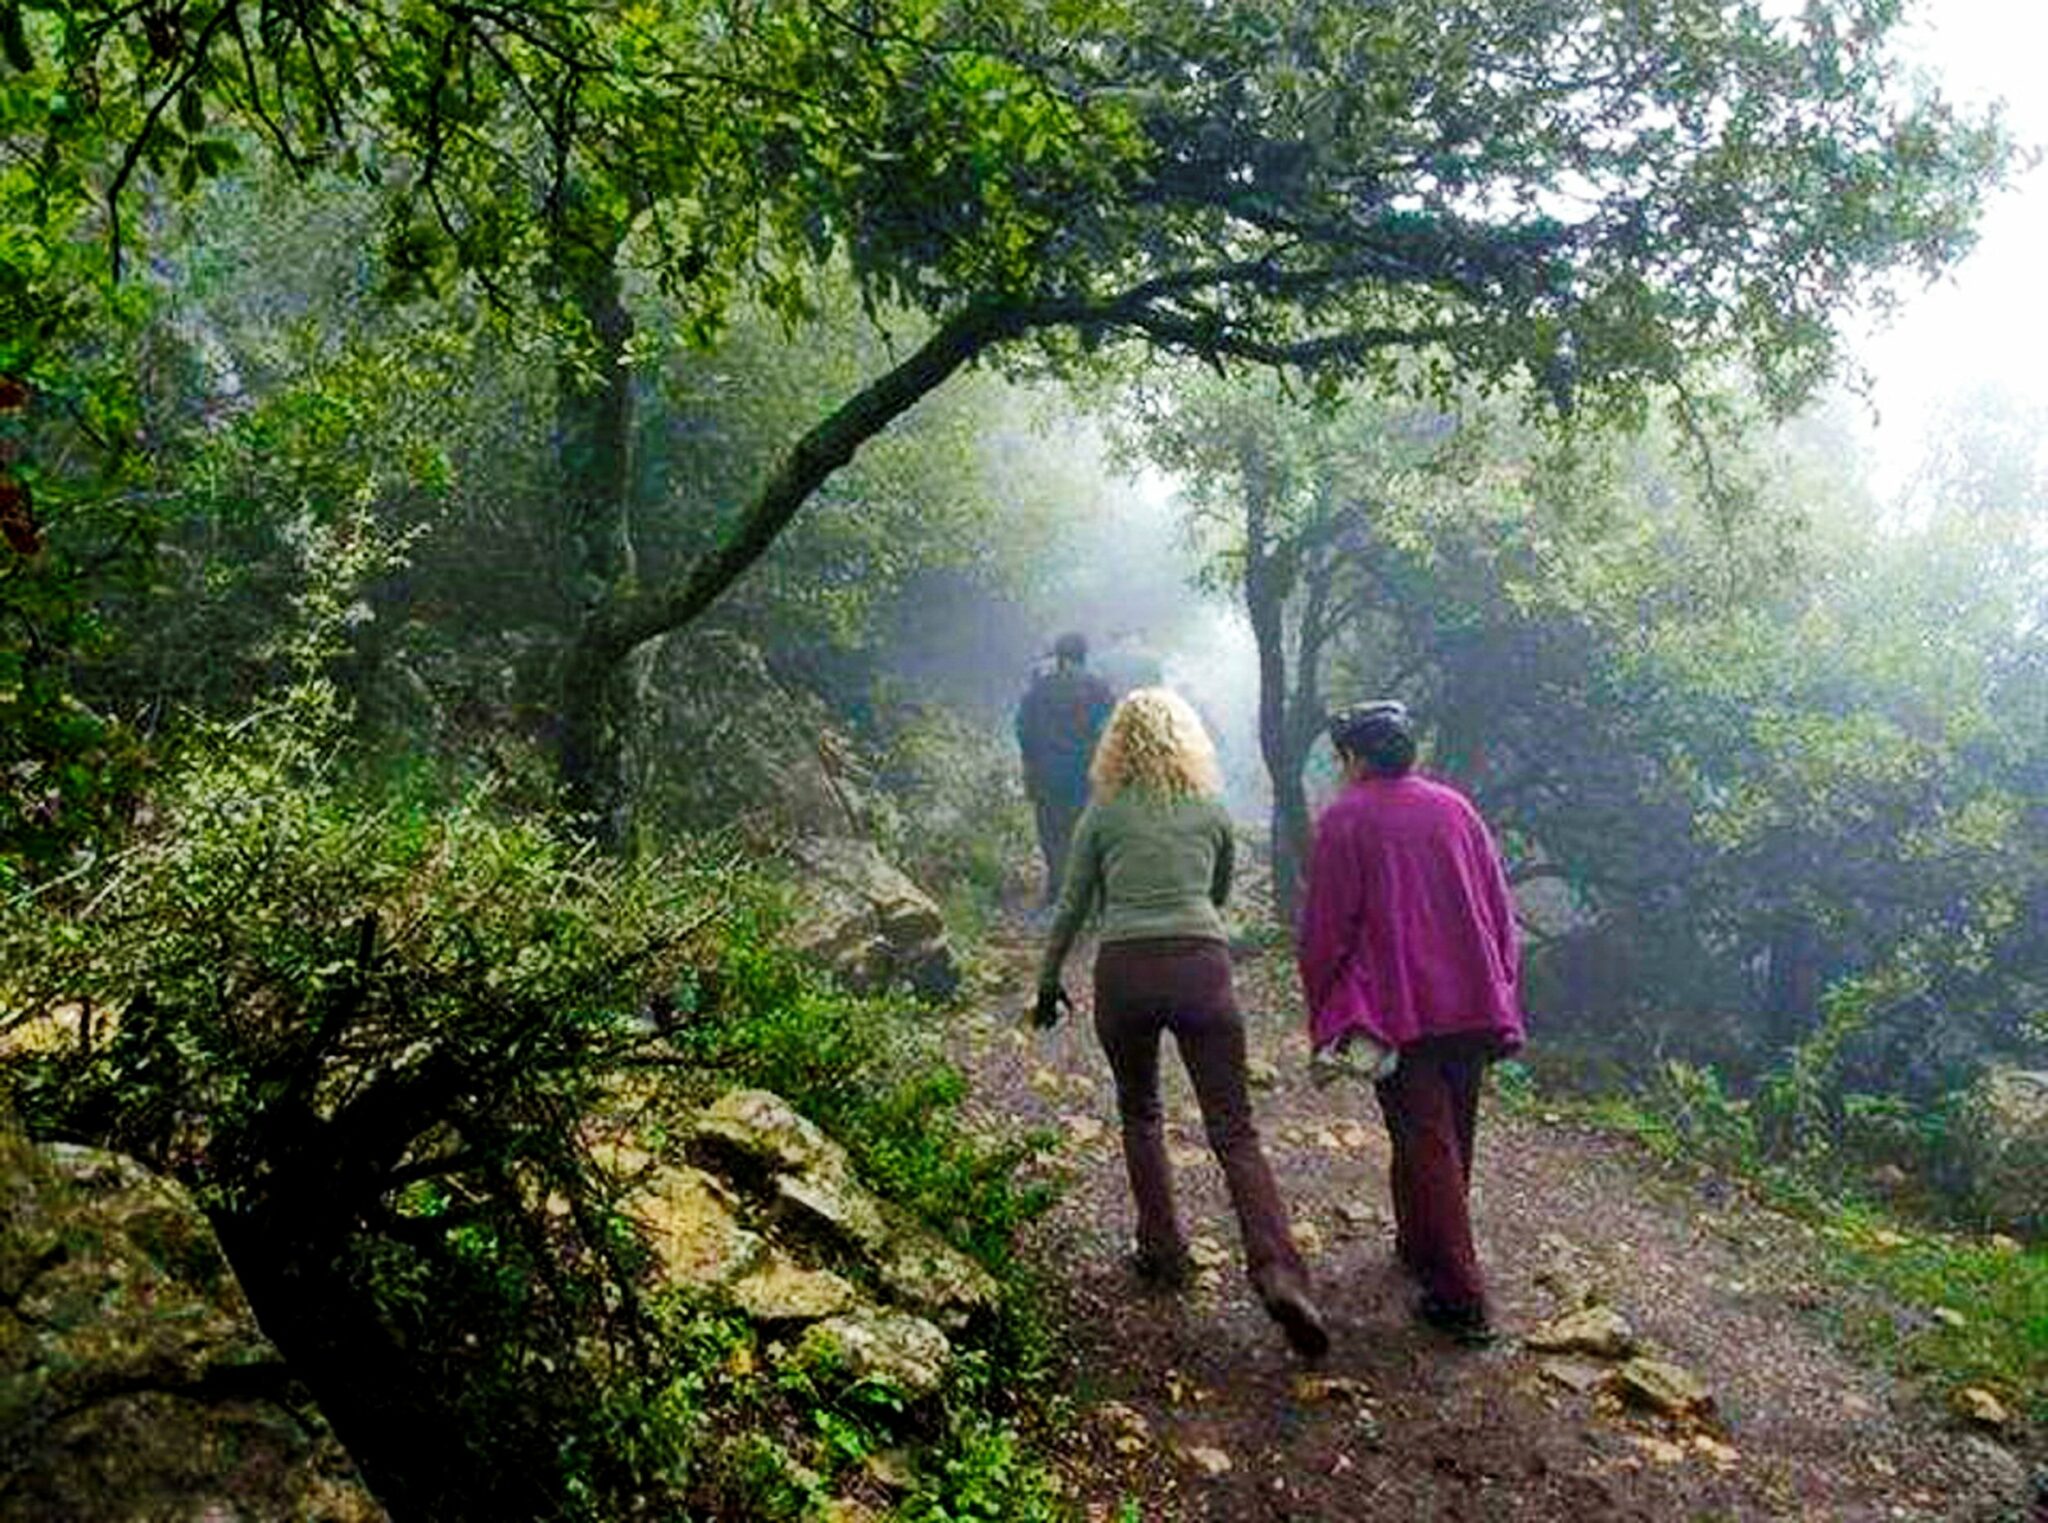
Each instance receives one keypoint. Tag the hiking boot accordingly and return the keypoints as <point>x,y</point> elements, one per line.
<point>1467,1326</point>
<point>1299,1320</point>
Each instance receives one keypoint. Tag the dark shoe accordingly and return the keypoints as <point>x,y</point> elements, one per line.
<point>1300,1321</point>
<point>1161,1271</point>
<point>1467,1326</point>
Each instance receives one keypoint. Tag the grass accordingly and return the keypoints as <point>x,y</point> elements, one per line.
<point>1966,1311</point>
<point>1949,1309</point>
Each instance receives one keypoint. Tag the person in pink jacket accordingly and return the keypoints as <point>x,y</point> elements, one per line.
<point>1409,961</point>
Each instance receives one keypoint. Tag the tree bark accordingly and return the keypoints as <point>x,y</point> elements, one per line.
<point>1268,579</point>
<point>594,469</point>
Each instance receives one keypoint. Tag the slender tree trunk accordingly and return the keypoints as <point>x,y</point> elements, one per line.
<point>1290,840</point>
<point>1792,998</point>
<point>601,699</point>
<point>1268,578</point>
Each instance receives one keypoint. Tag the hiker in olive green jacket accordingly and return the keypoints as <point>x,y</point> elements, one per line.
<point>1152,853</point>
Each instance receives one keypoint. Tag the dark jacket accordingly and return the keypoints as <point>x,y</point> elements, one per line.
<point>1058,723</point>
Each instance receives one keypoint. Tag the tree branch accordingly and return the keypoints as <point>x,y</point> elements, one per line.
<point>149,120</point>
<point>632,619</point>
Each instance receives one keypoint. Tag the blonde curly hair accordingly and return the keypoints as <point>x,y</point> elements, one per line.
<point>1155,743</point>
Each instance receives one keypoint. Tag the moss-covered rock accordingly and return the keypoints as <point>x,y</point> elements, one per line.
<point>894,1348</point>
<point>2004,1142</point>
<point>693,1226</point>
<point>134,1383</point>
<point>809,1180</point>
<point>861,916</point>
<point>782,1291</point>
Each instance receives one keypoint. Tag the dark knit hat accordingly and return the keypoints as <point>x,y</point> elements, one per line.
<point>1381,733</point>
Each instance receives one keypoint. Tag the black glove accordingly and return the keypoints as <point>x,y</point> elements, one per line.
<point>1052,1004</point>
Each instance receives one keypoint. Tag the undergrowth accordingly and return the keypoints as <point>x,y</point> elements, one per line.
<point>365,1018</point>
<point>1953,1309</point>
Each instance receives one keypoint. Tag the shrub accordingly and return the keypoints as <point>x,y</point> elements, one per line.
<point>366,1025</point>
<point>361,1029</point>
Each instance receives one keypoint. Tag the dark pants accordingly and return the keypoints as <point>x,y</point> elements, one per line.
<point>1431,1105</point>
<point>1182,985</point>
<point>1057,817</point>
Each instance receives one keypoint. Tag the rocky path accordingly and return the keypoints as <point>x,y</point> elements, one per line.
<point>1189,1407</point>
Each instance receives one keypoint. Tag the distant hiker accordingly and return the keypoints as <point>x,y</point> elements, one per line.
<point>1153,852</point>
<point>1409,960</point>
<point>1058,721</point>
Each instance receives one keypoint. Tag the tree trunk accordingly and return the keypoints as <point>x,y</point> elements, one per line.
<point>1268,578</point>
<point>1792,994</point>
<point>600,701</point>
<point>1290,841</point>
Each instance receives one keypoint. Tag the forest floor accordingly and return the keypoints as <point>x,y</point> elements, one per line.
<point>1191,1407</point>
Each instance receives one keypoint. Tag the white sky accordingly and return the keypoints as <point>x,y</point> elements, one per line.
<point>1988,321</point>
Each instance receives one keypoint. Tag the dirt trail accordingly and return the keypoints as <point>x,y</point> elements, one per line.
<point>1189,1407</point>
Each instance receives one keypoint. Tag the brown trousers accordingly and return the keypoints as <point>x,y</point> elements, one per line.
<point>1431,1106</point>
<point>1182,984</point>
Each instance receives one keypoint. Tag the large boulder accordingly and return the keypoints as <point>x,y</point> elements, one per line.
<point>693,1226</point>
<point>134,1383</point>
<point>809,1183</point>
<point>2004,1143</point>
<point>783,1291</point>
<point>766,755</point>
<point>861,917</point>
<point>761,1136</point>
<point>769,762</point>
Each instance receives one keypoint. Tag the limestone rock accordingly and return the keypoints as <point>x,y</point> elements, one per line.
<point>1597,1330</point>
<point>1663,1387</point>
<point>1130,1432</point>
<point>1359,1216</point>
<point>1323,1388</point>
<point>782,1290</point>
<point>860,915</point>
<point>1261,1073</point>
<point>813,1184</point>
<point>2003,1138</point>
<point>894,1470</point>
<point>1576,1374</point>
<point>937,1279</point>
<point>134,1382</point>
<point>763,1134</point>
<point>895,1348</point>
<point>836,1203</point>
<point>693,1226</point>
<point>1981,1407</point>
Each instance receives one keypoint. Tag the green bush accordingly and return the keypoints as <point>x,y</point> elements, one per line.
<point>365,1024</point>
<point>1957,1311</point>
<point>360,1027</point>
